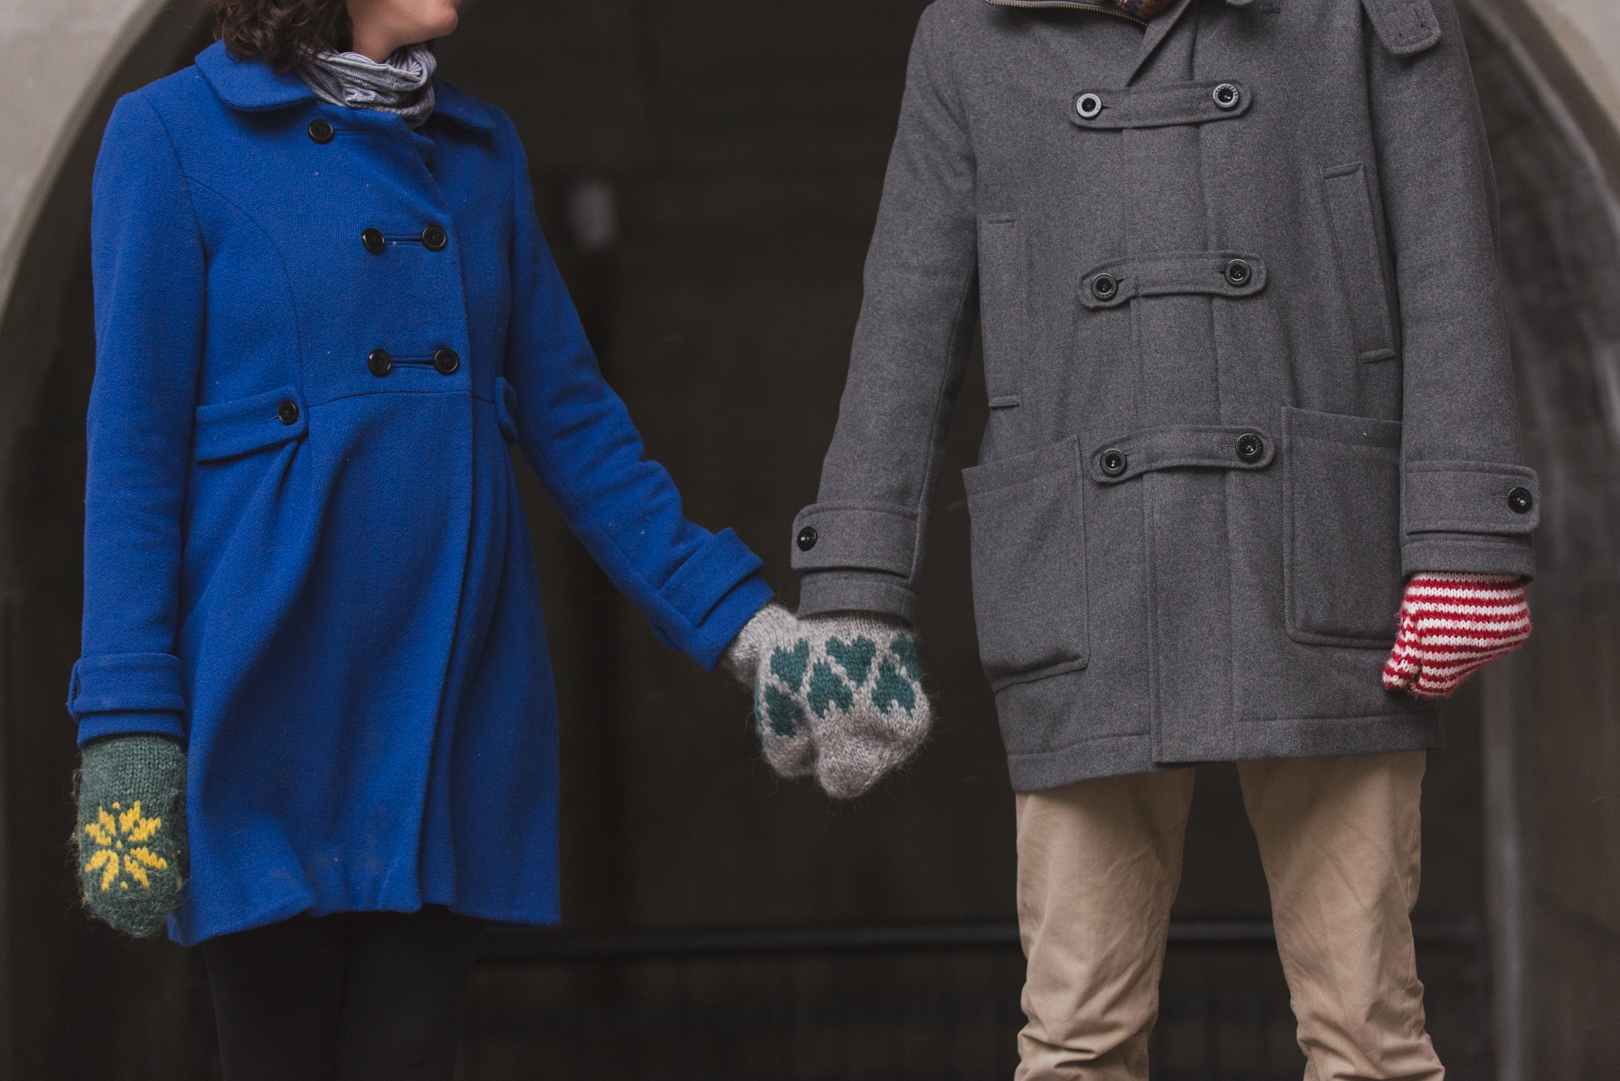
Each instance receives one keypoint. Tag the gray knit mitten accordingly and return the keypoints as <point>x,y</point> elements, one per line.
<point>836,695</point>
<point>132,830</point>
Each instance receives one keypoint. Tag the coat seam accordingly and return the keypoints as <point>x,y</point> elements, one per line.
<point>281,258</point>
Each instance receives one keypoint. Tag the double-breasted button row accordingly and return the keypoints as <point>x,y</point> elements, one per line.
<point>433,238</point>
<point>446,361</point>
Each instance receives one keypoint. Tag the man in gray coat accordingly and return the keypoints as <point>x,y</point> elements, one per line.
<point>1234,266</point>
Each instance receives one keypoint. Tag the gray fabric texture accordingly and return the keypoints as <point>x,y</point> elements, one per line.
<point>838,696</point>
<point>402,85</point>
<point>131,835</point>
<point>1195,607</point>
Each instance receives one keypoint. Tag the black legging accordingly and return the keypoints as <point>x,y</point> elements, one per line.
<point>362,996</point>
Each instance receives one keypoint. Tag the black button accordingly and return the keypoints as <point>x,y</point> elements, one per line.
<point>1113,462</point>
<point>373,240</point>
<point>1238,273</point>
<point>1520,501</point>
<point>1250,448</point>
<point>1227,96</point>
<point>1104,287</point>
<point>379,362</point>
<point>445,362</point>
<point>807,538</point>
<point>320,130</point>
<point>434,238</point>
<point>287,412</point>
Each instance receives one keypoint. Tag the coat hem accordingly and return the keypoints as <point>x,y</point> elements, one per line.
<point>1306,737</point>
<point>495,914</point>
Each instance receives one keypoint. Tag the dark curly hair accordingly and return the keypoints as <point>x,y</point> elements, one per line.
<point>282,32</point>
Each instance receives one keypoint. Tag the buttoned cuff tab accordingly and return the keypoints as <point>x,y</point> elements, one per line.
<point>1404,26</point>
<point>1470,497</point>
<point>822,592</point>
<point>1179,447</point>
<point>1113,108</point>
<point>708,574</point>
<point>124,683</point>
<point>1206,273</point>
<point>226,429</point>
<point>855,536</point>
<point>151,723</point>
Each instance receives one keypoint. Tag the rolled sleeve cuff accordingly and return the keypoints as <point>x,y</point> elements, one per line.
<point>126,683</point>
<point>726,619</point>
<point>136,723</point>
<point>1465,553</point>
<point>709,575</point>
<point>857,591</point>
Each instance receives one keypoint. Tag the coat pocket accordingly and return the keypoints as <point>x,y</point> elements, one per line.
<point>1361,267</point>
<point>231,429</point>
<point>1029,571</point>
<point>1342,561</point>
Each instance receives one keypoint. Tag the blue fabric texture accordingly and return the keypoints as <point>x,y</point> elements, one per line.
<point>319,576</point>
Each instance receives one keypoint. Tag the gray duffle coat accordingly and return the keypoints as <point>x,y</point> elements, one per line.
<point>1246,357</point>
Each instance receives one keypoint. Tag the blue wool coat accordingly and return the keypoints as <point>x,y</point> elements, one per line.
<point>317,332</point>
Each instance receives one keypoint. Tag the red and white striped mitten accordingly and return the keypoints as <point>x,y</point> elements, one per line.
<point>1452,625</point>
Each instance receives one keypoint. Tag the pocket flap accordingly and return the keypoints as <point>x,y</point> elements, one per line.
<point>1471,497</point>
<point>227,429</point>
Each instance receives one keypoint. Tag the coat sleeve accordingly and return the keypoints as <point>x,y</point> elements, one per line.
<point>1467,501</point>
<point>697,588</point>
<point>148,266</point>
<point>860,545</point>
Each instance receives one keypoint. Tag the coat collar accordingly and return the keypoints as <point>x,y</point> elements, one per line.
<point>252,86</point>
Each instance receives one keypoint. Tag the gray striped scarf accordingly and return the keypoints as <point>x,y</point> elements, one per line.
<point>403,85</point>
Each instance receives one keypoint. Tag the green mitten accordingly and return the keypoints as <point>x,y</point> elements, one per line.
<point>839,695</point>
<point>132,830</point>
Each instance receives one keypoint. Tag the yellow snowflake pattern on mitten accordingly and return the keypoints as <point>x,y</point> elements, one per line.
<point>121,846</point>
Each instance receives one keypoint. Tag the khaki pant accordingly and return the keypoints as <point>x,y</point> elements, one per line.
<point>1098,866</point>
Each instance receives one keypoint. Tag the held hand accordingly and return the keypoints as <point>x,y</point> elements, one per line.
<point>1452,625</point>
<point>131,837</point>
<point>838,695</point>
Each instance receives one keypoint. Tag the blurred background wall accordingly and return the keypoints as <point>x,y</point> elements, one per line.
<point>708,172</point>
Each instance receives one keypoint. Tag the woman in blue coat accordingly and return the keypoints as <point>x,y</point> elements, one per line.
<point>312,629</point>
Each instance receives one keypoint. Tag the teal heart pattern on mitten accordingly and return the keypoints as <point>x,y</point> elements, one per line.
<point>836,695</point>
